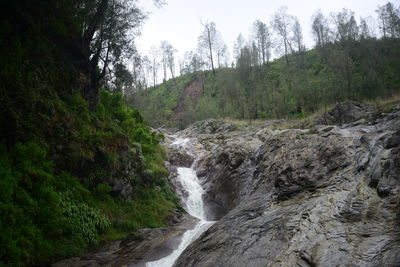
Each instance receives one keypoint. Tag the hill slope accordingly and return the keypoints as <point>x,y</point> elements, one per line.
<point>352,70</point>
<point>70,176</point>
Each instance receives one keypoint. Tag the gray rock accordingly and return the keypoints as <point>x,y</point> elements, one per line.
<point>303,199</point>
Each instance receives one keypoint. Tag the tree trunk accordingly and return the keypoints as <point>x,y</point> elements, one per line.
<point>210,47</point>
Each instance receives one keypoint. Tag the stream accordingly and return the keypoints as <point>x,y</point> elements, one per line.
<point>194,205</point>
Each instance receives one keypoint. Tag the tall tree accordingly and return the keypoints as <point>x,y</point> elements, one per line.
<point>389,19</point>
<point>105,25</point>
<point>154,55</point>
<point>366,28</point>
<point>207,41</point>
<point>283,23</point>
<point>298,36</point>
<point>168,58</point>
<point>262,37</point>
<point>238,45</point>
<point>320,29</point>
<point>346,27</point>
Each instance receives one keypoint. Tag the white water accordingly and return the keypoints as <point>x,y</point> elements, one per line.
<point>194,206</point>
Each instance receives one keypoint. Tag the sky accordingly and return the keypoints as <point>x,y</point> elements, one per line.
<point>179,21</point>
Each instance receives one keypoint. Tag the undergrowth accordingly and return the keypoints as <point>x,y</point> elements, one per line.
<point>56,203</point>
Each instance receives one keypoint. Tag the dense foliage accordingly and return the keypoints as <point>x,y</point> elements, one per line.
<point>72,174</point>
<point>291,86</point>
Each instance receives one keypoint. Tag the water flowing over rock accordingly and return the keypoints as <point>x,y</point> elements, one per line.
<point>322,197</point>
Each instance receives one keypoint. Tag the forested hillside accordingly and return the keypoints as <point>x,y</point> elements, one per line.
<point>348,62</point>
<point>77,166</point>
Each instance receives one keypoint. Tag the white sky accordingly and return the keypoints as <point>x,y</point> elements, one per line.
<point>179,21</point>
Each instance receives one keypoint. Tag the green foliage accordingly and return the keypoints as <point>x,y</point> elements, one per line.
<point>349,70</point>
<point>59,158</point>
<point>86,222</point>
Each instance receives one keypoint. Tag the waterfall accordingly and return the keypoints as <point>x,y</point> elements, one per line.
<point>194,206</point>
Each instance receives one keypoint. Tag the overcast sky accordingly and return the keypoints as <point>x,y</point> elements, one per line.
<point>179,21</point>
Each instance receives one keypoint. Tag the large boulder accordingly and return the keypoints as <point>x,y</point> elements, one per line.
<point>210,126</point>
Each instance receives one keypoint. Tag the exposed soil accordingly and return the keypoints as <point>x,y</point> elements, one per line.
<point>190,96</point>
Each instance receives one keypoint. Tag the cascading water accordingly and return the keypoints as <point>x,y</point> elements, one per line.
<point>194,206</point>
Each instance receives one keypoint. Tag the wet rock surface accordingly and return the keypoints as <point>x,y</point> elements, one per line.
<point>322,197</point>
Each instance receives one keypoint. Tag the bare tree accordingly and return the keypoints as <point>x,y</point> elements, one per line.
<point>346,27</point>
<point>320,29</point>
<point>389,19</point>
<point>168,58</point>
<point>238,45</point>
<point>298,36</point>
<point>262,37</point>
<point>221,51</point>
<point>207,41</point>
<point>366,28</point>
<point>154,54</point>
<point>283,23</point>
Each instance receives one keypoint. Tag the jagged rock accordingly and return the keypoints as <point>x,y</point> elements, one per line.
<point>179,157</point>
<point>210,126</point>
<point>326,198</point>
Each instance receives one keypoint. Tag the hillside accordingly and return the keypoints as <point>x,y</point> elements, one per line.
<point>311,80</point>
<point>77,166</point>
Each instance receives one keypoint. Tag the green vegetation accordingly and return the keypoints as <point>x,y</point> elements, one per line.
<point>77,166</point>
<point>55,205</point>
<point>290,87</point>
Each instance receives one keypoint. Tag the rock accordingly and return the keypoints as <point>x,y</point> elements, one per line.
<point>321,197</point>
<point>210,126</point>
<point>179,157</point>
<point>301,199</point>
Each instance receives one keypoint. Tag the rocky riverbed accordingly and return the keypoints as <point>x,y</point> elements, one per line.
<point>323,196</point>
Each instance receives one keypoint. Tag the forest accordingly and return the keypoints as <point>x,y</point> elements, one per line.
<point>351,61</point>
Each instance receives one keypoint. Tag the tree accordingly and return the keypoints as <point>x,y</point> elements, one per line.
<point>136,70</point>
<point>191,63</point>
<point>168,58</point>
<point>262,37</point>
<point>346,27</point>
<point>320,29</point>
<point>154,54</point>
<point>298,36</point>
<point>246,81</point>
<point>283,23</point>
<point>105,25</point>
<point>366,28</point>
<point>238,45</point>
<point>389,19</point>
<point>123,79</point>
<point>221,51</point>
<point>207,41</point>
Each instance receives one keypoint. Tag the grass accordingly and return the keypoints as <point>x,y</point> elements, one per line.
<point>385,104</point>
<point>382,104</point>
<point>149,209</point>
